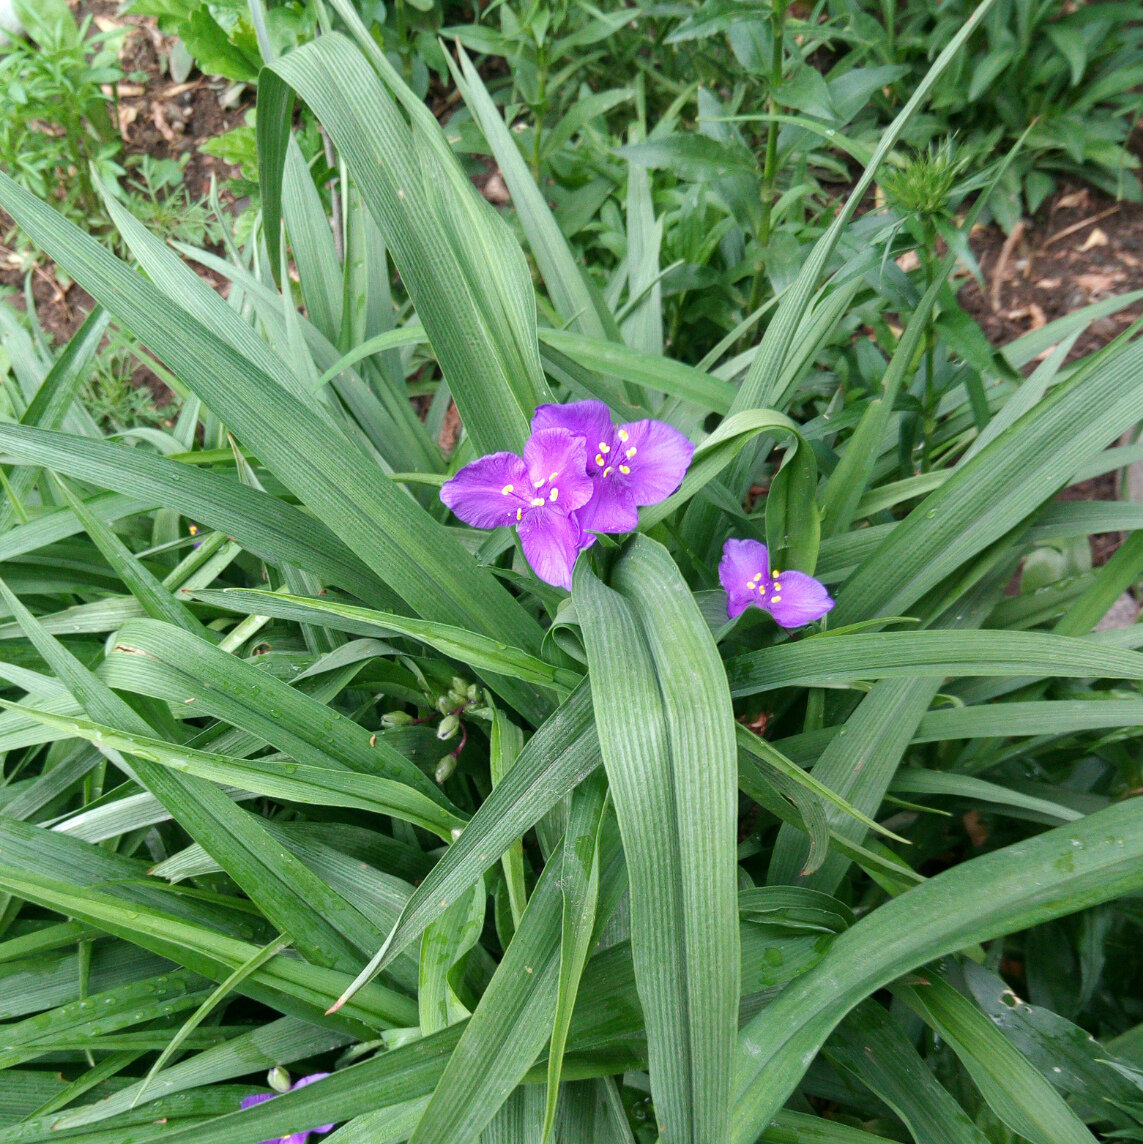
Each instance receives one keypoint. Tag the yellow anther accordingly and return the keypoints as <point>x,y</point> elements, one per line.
<point>599,458</point>
<point>537,484</point>
<point>537,501</point>
<point>553,494</point>
<point>777,586</point>
<point>757,577</point>
<point>776,599</point>
<point>507,489</point>
<point>607,471</point>
<point>604,447</point>
<point>774,574</point>
<point>553,476</point>
<point>519,513</point>
<point>623,434</point>
<point>751,585</point>
<point>631,452</point>
<point>624,469</point>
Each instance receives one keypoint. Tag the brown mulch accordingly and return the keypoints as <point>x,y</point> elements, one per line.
<point>1082,247</point>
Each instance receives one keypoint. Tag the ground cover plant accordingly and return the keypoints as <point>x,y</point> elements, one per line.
<point>696,752</point>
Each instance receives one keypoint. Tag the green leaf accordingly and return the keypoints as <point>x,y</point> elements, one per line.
<point>1058,872</point>
<point>467,277</point>
<point>666,730</point>
<point>1020,1096</point>
<point>831,658</point>
<point>477,651</point>
<point>580,887</point>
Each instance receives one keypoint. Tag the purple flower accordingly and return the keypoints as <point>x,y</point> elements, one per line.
<point>792,598</point>
<point>538,493</point>
<point>295,1137</point>
<point>639,463</point>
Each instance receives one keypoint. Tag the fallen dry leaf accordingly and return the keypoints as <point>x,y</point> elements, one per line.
<point>1048,284</point>
<point>909,261</point>
<point>129,90</point>
<point>127,116</point>
<point>1096,238</point>
<point>1075,199</point>
<point>1097,283</point>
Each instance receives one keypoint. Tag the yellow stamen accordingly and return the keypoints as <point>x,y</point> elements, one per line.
<point>537,501</point>
<point>507,489</point>
<point>774,574</point>
<point>776,599</point>
<point>751,585</point>
<point>623,434</point>
<point>553,494</point>
<point>777,586</point>
<point>607,471</point>
<point>519,513</point>
<point>624,469</point>
<point>553,476</point>
<point>631,452</point>
<point>599,458</point>
<point>604,447</point>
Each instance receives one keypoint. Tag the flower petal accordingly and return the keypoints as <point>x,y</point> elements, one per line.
<point>251,1101</point>
<point>741,562</point>
<point>657,455</point>
<point>488,492</point>
<point>590,420</point>
<point>612,509</point>
<point>557,468</point>
<point>797,599</point>
<point>551,544</point>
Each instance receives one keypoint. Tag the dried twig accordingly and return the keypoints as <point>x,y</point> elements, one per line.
<point>999,273</point>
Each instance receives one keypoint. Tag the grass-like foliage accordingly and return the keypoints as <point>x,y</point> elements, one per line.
<point>314,767</point>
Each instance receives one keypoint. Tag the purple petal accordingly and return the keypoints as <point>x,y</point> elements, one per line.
<point>488,493</point>
<point>250,1101</point>
<point>551,544</point>
<point>657,456</point>
<point>557,469</point>
<point>612,509</point>
<point>590,420</point>
<point>741,562</point>
<point>797,599</point>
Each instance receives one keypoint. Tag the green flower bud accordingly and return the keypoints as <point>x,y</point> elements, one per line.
<point>445,704</point>
<point>458,685</point>
<point>396,719</point>
<point>449,726</point>
<point>278,1079</point>
<point>473,693</point>
<point>445,768</point>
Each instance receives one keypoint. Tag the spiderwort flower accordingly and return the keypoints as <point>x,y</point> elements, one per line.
<point>294,1137</point>
<point>792,598</point>
<point>538,493</point>
<point>639,463</point>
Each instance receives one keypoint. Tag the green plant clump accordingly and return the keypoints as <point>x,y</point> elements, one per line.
<point>704,751</point>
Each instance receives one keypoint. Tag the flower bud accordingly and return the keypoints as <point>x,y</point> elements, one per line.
<point>458,685</point>
<point>445,768</point>
<point>449,726</point>
<point>278,1079</point>
<point>473,693</point>
<point>445,704</point>
<point>396,719</point>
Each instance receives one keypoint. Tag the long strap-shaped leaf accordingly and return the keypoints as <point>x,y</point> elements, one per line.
<point>562,753</point>
<point>881,655</point>
<point>264,525</point>
<point>761,383</point>
<point>997,489</point>
<point>384,526</point>
<point>467,276</point>
<point>326,927</point>
<point>1059,872</point>
<point>52,399</point>
<point>666,729</point>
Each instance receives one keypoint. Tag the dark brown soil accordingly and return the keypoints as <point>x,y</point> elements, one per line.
<point>1081,248</point>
